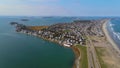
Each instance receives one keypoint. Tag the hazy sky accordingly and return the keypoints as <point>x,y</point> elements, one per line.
<point>60,7</point>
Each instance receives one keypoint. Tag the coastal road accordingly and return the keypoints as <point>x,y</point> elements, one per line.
<point>94,58</point>
<point>90,59</point>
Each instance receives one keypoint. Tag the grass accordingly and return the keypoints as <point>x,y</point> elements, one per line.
<point>84,60</point>
<point>37,27</point>
<point>67,30</point>
<point>100,52</point>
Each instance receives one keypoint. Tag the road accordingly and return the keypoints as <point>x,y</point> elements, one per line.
<point>92,57</point>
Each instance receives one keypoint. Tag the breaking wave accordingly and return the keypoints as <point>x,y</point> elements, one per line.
<point>111,24</point>
<point>115,34</point>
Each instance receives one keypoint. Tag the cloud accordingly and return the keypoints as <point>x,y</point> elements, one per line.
<point>29,0</point>
<point>11,2</point>
<point>33,10</point>
<point>37,0</point>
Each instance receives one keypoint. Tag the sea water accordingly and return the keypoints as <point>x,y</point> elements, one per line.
<point>114,30</point>
<point>24,51</point>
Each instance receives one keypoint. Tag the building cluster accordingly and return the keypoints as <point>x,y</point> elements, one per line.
<point>67,34</point>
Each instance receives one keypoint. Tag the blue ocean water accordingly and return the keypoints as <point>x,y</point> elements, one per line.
<point>114,29</point>
<point>23,51</point>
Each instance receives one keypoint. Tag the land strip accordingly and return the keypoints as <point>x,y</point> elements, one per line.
<point>83,60</point>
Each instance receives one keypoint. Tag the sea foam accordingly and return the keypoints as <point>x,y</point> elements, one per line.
<point>115,34</point>
<point>111,24</point>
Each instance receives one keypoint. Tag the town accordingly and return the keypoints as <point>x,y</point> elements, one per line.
<point>67,34</point>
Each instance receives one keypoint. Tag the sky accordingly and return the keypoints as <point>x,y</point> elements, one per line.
<point>60,7</point>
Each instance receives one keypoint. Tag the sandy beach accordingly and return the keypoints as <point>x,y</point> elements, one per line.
<point>107,50</point>
<point>110,40</point>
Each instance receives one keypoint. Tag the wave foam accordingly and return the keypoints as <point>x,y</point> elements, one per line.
<point>116,34</point>
<point>111,24</point>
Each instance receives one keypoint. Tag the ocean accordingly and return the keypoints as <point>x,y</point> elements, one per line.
<point>19,50</point>
<point>114,30</point>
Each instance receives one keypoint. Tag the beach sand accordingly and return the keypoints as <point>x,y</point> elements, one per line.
<point>110,53</point>
<point>109,39</point>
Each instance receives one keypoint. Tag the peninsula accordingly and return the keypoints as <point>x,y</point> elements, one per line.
<point>88,39</point>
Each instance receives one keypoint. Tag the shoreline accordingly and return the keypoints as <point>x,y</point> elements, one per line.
<point>108,37</point>
<point>75,50</point>
<point>77,56</point>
